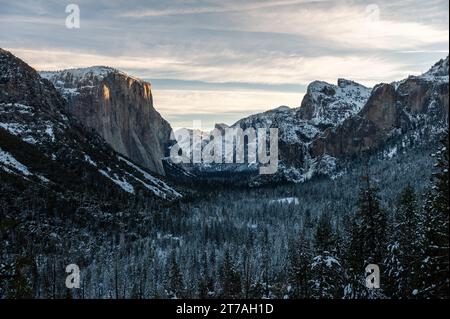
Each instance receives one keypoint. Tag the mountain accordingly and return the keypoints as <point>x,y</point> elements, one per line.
<point>414,110</point>
<point>119,108</point>
<point>324,105</point>
<point>44,146</point>
<point>328,104</point>
<point>336,122</point>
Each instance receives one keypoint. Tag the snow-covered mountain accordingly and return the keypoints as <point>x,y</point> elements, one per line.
<point>40,143</point>
<point>409,112</point>
<point>120,108</point>
<point>439,71</point>
<point>324,105</point>
<point>327,104</point>
<point>335,122</point>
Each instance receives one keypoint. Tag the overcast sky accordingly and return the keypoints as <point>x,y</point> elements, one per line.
<point>220,60</point>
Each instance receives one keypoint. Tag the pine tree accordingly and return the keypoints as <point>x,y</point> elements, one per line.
<point>324,239</point>
<point>368,240</point>
<point>404,253</point>
<point>299,269</point>
<point>20,287</point>
<point>175,284</point>
<point>205,284</point>
<point>435,265</point>
<point>326,281</point>
<point>230,278</point>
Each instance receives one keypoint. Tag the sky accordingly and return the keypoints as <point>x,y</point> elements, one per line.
<point>218,61</point>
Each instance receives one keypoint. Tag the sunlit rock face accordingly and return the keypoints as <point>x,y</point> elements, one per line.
<point>120,108</point>
<point>43,145</point>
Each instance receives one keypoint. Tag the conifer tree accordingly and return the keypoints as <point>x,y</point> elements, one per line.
<point>368,240</point>
<point>435,265</point>
<point>404,252</point>
<point>175,284</point>
<point>299,268</point>
<point>230,278</point>
<point>205,285</point>
<point>324,239</point>
<point>326,281</point>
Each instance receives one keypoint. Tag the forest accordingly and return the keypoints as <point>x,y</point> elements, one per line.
<point>242,242</point>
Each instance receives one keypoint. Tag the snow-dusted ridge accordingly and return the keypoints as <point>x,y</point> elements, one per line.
<point>79,73</point>
<point>72,78</point>
<point>331,104</point>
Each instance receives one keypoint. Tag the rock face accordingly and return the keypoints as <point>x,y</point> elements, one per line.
<point>41,143</point>
<point>324,106</point>
<point>328,104</point>
<point>337,122</point>
<point>118,107</point>
<point>417,104</point>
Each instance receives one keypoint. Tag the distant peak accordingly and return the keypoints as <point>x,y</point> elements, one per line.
<point>441,68</point>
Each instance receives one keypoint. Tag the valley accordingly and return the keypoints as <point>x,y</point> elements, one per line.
<point>85,179</point>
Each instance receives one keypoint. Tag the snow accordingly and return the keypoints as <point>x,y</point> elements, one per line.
<point>155,181</point>
<point>44,179</point>
<point>334,103</point>
<point>78,73</point>
<point>49,132</point>
<point>70,81</point>
<point>119,181</point>
<point>439,70</point>
<point>329,261</point>
<point>438,73</point>
<point>25,132</point>
<point>14,128</point>
<point>8,161</point>
<point>391,152</point>
<point>155,190</point>
<point>88,159</point>
<point>15,107</point>
<point>329,105</point>
<point>68,91</point>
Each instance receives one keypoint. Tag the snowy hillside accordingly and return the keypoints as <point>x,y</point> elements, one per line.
<point>32,111</point>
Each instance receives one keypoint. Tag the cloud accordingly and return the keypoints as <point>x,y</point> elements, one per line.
<point>271,69</point>
<point>251,44</point>
<point>346,25</point>
<point>181,107</point>
<point>213,7</point>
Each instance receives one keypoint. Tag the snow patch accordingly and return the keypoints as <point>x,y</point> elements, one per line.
<point>158,184</point>
<point>119,181</point>
<point>8,161</point>
<point>88,159</point>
